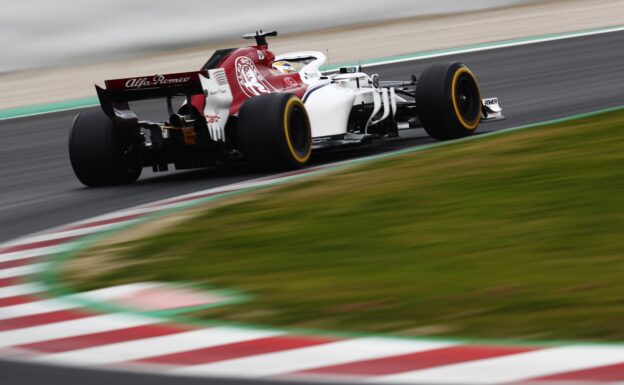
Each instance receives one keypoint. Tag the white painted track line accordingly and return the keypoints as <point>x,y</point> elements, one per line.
<point>69,302</point>
<point>59,235</point>
<point>492,46</point>
<point>512,368</point>
<point>312,357</point>
<point>114,292</point>
<point>20,271</point>
<point>157,346</point>
<point>31,253</point>
<point>72,328</point>
<point>36,308</point>
<point>23,289</point>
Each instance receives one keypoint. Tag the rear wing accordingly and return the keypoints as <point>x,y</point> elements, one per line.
<point>211,84</point>
<point>118,92</point>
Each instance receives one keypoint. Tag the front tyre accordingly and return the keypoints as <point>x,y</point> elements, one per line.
<point>448,101</point>
<point>274,131</point>
<point>100,153</point>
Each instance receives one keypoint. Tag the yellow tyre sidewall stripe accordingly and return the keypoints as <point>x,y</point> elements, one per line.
<point>290,104</point>
<point>468,125</point>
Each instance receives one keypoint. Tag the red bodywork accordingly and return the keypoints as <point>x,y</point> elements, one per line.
<point>249,72</point>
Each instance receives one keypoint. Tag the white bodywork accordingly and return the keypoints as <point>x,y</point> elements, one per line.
<point>218,100</point>
<point>330,98</point>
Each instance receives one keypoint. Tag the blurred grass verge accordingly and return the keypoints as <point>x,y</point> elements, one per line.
<point>512,236</point>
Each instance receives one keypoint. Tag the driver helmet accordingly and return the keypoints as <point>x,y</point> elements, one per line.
<point>284,67</point>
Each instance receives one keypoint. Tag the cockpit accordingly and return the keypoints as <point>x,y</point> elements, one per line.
<point>307,63</point>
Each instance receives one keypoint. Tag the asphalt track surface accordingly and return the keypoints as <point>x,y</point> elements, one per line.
<point>38,190</point>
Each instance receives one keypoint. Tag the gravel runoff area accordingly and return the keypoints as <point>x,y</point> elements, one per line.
<point>343,44</point>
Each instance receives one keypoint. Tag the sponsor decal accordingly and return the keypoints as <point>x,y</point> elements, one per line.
<point>311,75</point>
<point>250,79</point>
<point>321,139</point>
<point>491,102</point>
<point>261,55</point>
<point>213,118</point>
<point>157,80</point>
<point>290,82</point>
<point>216,92</point>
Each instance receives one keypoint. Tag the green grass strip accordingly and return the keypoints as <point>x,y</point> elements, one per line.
<point>47,108</point>
<point>508,237</point>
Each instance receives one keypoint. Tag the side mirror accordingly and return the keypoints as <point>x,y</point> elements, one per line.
<point>375,80</point>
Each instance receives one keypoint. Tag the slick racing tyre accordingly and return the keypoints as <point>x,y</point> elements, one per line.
<point>100,153</point>
<point>274,131</point>
<point>448,101</point>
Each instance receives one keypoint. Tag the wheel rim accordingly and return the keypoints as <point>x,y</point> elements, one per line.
<point>466,98</point>
<point>296,127</point>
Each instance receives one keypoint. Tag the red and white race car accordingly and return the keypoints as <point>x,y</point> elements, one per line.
<point>271,111</point>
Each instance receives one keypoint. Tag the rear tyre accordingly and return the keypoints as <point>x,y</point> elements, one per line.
<point>100,153</point>
<point>274,131</point>
<point>448,101</point>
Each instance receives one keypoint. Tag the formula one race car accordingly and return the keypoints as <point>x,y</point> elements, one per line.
<point>271,111</point>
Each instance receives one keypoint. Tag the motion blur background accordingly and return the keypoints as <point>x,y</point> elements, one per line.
<point>40,33</point>
<point>56,51</point>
